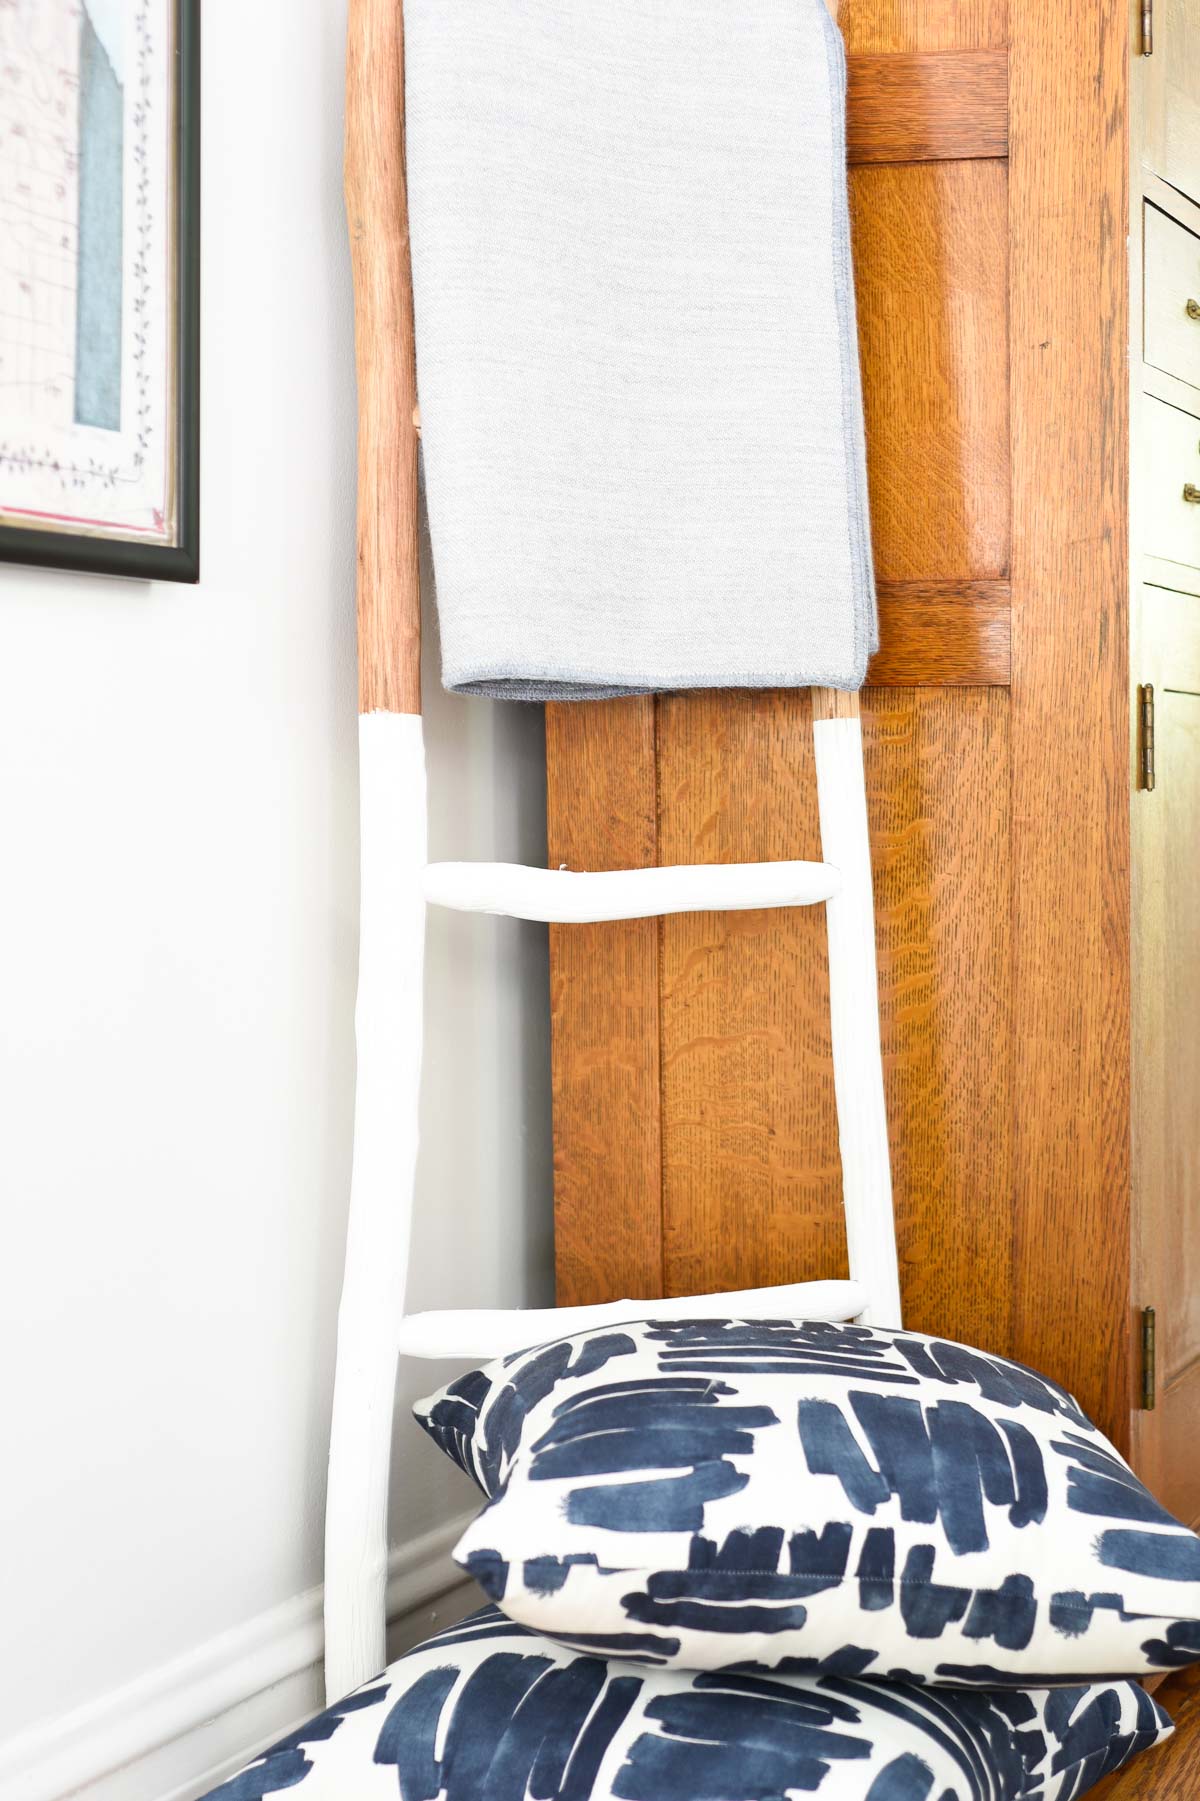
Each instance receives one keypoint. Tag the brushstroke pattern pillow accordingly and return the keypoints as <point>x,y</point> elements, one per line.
<point>808,1496</point>
<point>488,1712</point>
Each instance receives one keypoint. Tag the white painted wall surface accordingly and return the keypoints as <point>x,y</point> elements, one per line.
<point>178,848</point>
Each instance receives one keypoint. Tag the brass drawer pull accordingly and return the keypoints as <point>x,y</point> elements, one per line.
<point>1191,493</point>
<point>1192,309</point>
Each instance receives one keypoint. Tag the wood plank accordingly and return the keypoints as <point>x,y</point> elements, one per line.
<point>940,634</point>
<point>899,25</point>
<point>751,1170</point>
<point>930,258</point>
<point>1069,308</point>
<point>750,1163</point>
<point>927,107</point>
<point>937,788</point>
<point>602,814</point>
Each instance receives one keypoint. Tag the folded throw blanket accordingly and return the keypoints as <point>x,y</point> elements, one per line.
<point>636,355</point>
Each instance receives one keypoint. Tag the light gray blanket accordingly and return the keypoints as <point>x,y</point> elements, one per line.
<point>636,354</point>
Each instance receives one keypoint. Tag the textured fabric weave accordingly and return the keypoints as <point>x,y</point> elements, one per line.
<point>636,352</point>
<point>800,1495</point>
<point>488,1712</point>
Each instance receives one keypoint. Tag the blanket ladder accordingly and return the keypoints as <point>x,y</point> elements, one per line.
<point>397,884</point>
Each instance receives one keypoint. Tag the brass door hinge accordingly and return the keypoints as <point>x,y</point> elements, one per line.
<point>1146,737</point>
<point>1149,1356</point>
<point>1147,27</point>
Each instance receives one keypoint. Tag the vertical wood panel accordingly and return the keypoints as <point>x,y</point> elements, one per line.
<point>751,1174</point>
<point>937,785</point>
<point>1068,179</point>
<point>602,814</point>
<point>749,1142</point>
<point>930,262</point>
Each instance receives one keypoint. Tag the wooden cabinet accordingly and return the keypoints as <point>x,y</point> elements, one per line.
<point>1000,296</point>
<point>1171,290</point>
<point>1167,1086</point>
<point>1167,142</point>
<point>1171,441</point>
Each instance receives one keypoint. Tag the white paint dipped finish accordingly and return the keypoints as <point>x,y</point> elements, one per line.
<point>388,1033</point>
<point>394,883</point>
<point>854,1020</point>
<point>480,1334</point>
<point>574,897</point>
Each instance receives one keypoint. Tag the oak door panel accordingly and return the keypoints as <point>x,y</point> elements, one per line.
<point>902,25</point>
<point>750,1166</point>
<point>931,277</point>
<point>937,789</point>
<point>993,314</point>
<point>927,107</point>
<point>602,814</point>
<point>751,1176</point>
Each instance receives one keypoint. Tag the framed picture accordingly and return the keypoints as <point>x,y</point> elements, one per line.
<point>99,285</point>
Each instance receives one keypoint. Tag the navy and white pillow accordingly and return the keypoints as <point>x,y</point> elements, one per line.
<point>814,1498</point>
<point>488,1712</point>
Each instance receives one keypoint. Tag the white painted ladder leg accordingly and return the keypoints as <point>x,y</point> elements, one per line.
<point>392,816</point>
<point>388,1033</point>
<point>854,1006</point>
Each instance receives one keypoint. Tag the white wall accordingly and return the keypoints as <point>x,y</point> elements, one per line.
<point>177,966</point>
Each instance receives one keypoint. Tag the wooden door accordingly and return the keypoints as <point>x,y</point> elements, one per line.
<point>1167,1161</point>
<point>694,1132</point>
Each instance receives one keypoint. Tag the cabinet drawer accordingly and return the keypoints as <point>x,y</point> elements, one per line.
<point>1172,440</point>
<point>1172,278</point>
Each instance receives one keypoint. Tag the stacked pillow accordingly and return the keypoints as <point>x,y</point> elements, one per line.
<point>867,1511</point>
<point>487,1711</point>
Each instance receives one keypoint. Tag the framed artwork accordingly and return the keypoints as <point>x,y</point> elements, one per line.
<point>99,285</point>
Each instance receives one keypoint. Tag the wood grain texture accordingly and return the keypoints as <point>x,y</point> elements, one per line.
<point>1069,185</point>
<point>900,25</point>
<point>750,1164</point>
<point>602,814</point>
<point>942,634</point>
<point>751,1172</point>
<point>930,255</point>
<point>834,703</point>
<point>937,768</point>
<point>389,590</point>
<point>928,107</point>
<point>998,815</point>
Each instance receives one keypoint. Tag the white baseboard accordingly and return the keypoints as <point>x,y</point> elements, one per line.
<point>183,1727</point>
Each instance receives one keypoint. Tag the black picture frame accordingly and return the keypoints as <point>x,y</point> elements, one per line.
<point>180,561</point>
